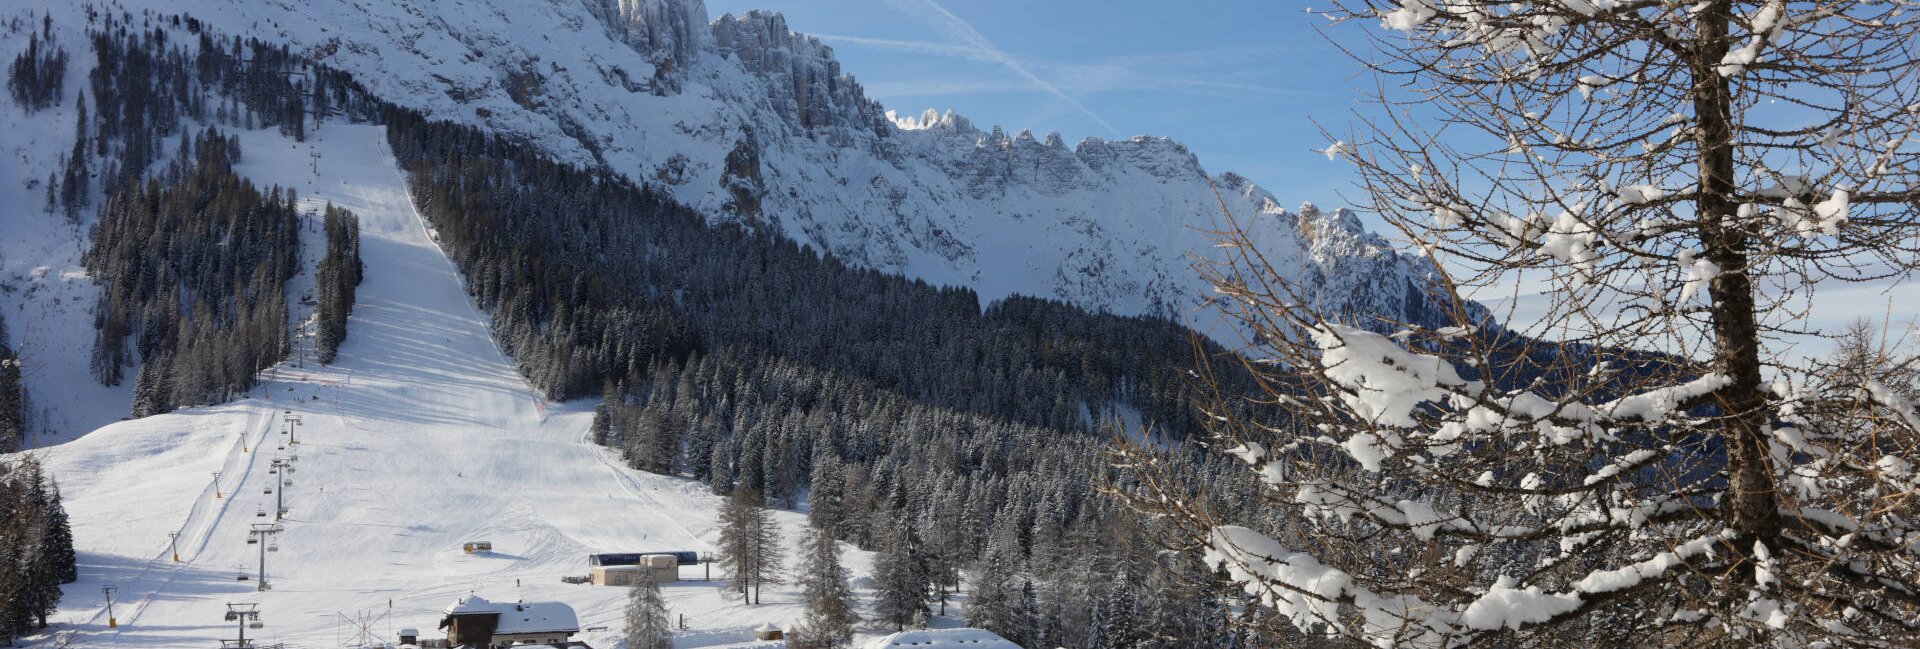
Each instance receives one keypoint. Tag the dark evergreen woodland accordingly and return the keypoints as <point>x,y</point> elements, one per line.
<point>192,267</point>
<point>752,364</point>
<point>335,279</point>
<point>39,74</point>
<point>36,548</point>
<point>13,398</point>
<point>591,279</point>
<point>192,258</point>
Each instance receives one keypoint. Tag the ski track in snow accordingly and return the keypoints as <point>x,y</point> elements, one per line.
<point>419,437</point>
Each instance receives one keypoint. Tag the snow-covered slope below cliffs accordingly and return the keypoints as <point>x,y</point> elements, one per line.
<point>748,121</point>
<point>419,437</point>
<point>45,294</point>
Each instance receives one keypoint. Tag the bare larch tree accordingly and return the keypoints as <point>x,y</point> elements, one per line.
<point>1678,180</point>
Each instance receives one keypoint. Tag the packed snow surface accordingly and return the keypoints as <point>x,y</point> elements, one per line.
<point>420,437</point>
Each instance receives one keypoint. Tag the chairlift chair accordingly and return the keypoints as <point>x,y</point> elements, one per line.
<point>252,541</point>
<point>273,547</point>
<point>261,514</point>
<point>255,624</point>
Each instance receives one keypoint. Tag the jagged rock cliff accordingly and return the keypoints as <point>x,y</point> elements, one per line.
<point>749,121</point>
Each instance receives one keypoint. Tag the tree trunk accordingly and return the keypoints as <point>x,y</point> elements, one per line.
<point>1751,507</point>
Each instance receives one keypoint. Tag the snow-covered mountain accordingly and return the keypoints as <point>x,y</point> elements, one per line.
<point>420,437</point>
<point>749,121</point>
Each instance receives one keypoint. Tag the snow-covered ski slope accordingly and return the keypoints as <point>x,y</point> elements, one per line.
<point>420,437</point>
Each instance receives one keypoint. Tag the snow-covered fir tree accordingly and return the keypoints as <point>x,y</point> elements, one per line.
<point>826,594</point>
<point>902,588</point>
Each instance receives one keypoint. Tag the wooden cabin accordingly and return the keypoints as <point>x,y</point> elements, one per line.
<point>475,622</point>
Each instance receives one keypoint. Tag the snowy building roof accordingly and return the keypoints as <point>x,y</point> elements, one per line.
<point>472,604</point>
<point>519,617</point>
<point>536,617</point>
<point>942,638</point>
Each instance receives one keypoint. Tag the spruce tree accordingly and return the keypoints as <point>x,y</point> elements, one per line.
<point>999,589</point>
<point>648,626</point>
<point>901,572</point>
<point>826,594</point>
<point>60,556</point>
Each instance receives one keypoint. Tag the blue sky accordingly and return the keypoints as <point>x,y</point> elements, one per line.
<point>1237,81</point>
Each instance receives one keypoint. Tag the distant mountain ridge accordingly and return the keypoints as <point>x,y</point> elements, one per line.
<point>750,122</point>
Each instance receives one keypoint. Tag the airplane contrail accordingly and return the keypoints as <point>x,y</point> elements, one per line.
<point>958,28</point>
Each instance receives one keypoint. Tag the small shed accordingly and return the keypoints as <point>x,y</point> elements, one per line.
<point>768,632</point>
<point>410,636</point>
<point>475,547</point>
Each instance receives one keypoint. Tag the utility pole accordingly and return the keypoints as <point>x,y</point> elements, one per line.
<point>293,421</point>
<point>173,543</point>
<point>112,623</point>
<point>263,534</point>
<point>242,615</point>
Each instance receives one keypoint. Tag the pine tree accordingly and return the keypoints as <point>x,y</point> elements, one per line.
<point>648,626</point>
<point>826,594</point>
<point>902,582</point>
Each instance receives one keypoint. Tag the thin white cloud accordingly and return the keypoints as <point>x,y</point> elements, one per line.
<point>1115,74</point>
<point>914,47</point>
<point>959,30</point>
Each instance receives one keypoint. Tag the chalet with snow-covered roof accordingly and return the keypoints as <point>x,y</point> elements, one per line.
<point>473,621</point>
<point>943,639</point>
